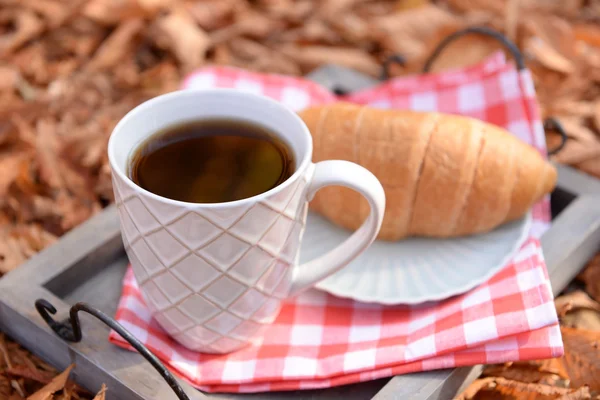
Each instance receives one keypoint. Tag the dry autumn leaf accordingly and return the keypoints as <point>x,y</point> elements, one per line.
<point>178,32</point>
<point>111,12</point>
<point>583,317</point>
<point>101,394</point>
<point>548,56</point>
<point>212,14</point>
<point>22,371</point>
<point>9,77</point>
<point>591,277</point>
<point>26,26</point>
<point>582,357</point>
<point>556,32</point>
<point>529,372</point>
<point>511,22</point>
<point>575,301</point>
<point>586,32</point>
<point>465,51</point>
<point>254,56</point>
<point>58,383</point>
<point>501,388</point>
<point>405,32</point>
<point>310,57</point>
<point>23,374</point>
<point>596,114</point>
<point>117,45</point>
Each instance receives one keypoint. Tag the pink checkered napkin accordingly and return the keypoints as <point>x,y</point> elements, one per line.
<point>319,340</point>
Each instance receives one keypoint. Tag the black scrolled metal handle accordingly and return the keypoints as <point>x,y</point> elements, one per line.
<point>385,69</point>
<point>552,124</point>
<point>511,47</point>
<point>70,331</point>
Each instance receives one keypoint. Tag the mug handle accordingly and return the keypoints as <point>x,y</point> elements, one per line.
<point>355,177</point>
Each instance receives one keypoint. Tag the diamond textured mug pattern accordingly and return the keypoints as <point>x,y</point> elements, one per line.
<point>213,278</point>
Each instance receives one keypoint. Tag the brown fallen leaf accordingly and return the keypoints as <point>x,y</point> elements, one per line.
<point>313,31</point>
<point>8,364</point>
<point>19,243</point>
<point>22,371</point>
<point>54,12</point>
<point>334,7</point>
<point>582,393</point>
<point>548,56</point>
<point>404,32</point>
<point>9,77</point>
<point>5,388</point>
<point>582,357</point>
<point>512,19</point>
<point>576,130</point>
<point>583,318</point>
<point>590,166</point>
<point>575,152</point>
<point>47,146</point>
<point>111,12</point>
<point>474,388</point>
<point>465,51</point>
<point>27,26</point>
<point>255,56</point>
<point>492,7</point>
<point>403,5</point>
<point>586,32</point>
<point>596,115</point>
<point>178,33</point>
<point>10,163</point>
<point>254,25</point>
<point>502,388</point>
<point>101,394</point>
<point>574,301</point>
<point>153,7</point>
<point>212,14</point>
<point>549,365</point>
<point>292,11</point>
<point>591,277</point>
<point>5,356</point>
<point>583,143</point>
<point>555,31</point>
<point>352,29</point>
<point>526,372</point>
<point>570,108</point>
<point>58,383</point>
<point>11,255</point>
<point>310,57</point>
<point>117,45</point>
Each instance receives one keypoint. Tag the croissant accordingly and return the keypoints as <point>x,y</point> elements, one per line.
<point>443,175</point>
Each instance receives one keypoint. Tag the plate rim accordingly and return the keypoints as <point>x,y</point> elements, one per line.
<point>525,233</point>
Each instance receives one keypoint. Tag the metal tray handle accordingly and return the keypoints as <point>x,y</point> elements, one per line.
<point>552,124</point>
<point>549,124</point>
<point>482,30</point>
<point>70,331</point>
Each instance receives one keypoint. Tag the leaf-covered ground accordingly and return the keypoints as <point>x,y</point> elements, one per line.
<point>69,70</point>
<point>23,375</point>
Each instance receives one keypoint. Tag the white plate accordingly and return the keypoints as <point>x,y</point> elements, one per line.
<point>414,270</point>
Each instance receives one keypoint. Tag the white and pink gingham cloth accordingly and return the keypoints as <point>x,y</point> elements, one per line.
<point>319,340</point>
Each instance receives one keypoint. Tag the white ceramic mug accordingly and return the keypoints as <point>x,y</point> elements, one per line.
<point>214,275</point>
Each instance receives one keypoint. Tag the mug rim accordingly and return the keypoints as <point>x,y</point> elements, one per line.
<point>157,100</point>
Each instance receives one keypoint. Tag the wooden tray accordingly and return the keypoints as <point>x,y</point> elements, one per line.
<point>88,264</point>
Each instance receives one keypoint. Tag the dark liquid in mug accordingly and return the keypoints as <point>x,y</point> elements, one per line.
<point>211,161</point>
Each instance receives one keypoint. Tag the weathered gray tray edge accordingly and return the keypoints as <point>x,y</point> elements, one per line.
<point>571,241</point>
